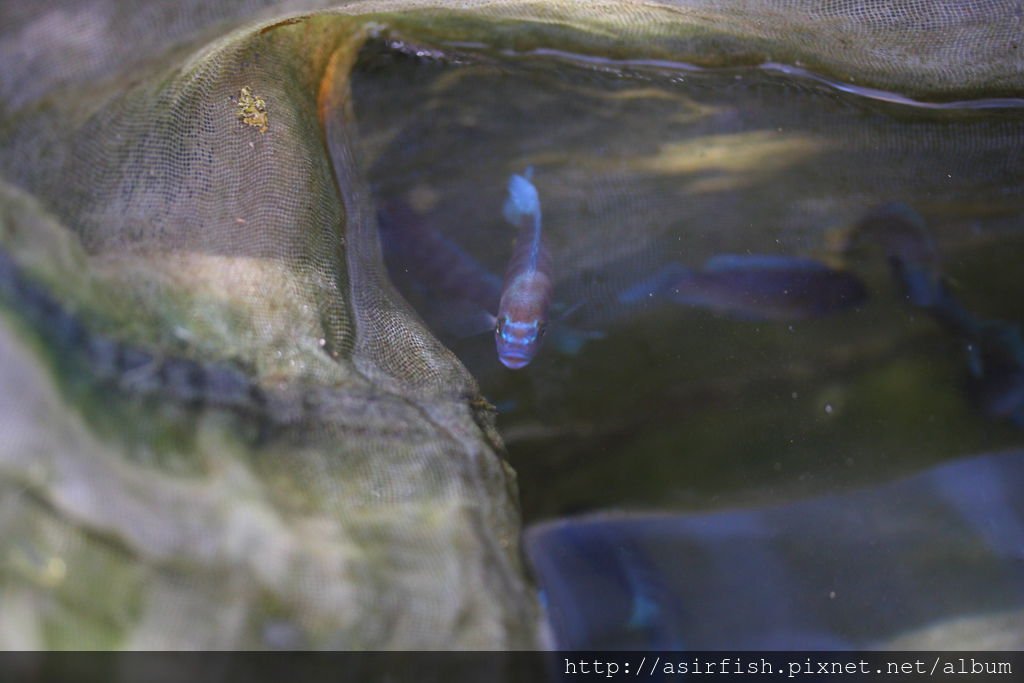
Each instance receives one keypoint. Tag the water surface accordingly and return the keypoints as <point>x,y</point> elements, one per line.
<point>637,166</point>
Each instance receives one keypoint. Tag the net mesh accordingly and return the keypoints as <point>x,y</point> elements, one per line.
<point>227,429</point>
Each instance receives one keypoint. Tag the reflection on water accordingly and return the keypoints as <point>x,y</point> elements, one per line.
<point>655,404</point>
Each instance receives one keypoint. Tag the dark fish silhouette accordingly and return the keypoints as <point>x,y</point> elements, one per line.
<point>995,348</point>
<point>802,575</point>
<point>755,287</point>
<point>433,260</point>
<point>912,254</point>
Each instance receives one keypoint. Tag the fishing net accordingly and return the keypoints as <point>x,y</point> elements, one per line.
<point>221,426</point>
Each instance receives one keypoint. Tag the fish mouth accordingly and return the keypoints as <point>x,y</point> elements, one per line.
<point>514,362</point>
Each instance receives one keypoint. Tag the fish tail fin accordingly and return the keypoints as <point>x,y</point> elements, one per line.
<point>523,200</point>
<point>655,285</point>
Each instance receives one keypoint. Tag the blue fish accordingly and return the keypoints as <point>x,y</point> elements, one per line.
<point>526,296</point>
<point>743,577</point>
<point>431,258</point>
<point>754,287</point>
<point>995,348</point>
<point>466,293</point>
<point>912,253</point>
<point>995,351</point>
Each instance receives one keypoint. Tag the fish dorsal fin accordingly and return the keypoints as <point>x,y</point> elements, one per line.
<point>748,262</point>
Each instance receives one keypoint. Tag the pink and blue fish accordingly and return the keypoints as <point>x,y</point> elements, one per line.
<point>526,297</point>
<point>471,293</point>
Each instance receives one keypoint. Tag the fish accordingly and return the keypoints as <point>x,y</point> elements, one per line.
<point>913,256</point>
<point>995,355</point>
<point>995,358</point>
<point>432,259</point>
<point>995,348</point>
<point>743,577</point>
<point>754,287</point>
<point>465,294</point>
<point>526,294</point>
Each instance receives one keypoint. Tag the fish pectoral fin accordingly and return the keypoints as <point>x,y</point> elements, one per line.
<point>464,319</point>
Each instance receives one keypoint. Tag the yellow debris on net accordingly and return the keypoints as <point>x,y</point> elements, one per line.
<point>252,110</point>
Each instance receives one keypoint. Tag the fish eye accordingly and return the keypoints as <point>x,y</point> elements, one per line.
<point>501,325</point>
<point>541,329</point>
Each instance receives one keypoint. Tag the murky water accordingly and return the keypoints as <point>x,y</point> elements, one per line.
<point>652,406</point>
<point>638,166</point>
